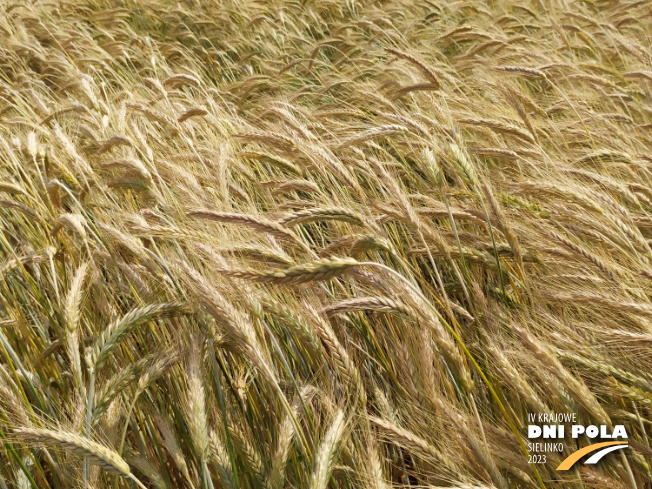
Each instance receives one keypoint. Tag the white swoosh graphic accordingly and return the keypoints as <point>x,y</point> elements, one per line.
<point>595,458</point>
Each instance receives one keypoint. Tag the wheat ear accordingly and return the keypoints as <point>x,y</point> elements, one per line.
<point>380,304</point>
<point>71,315</point>
<point>196,403</point>
<point>119,329</point>
<point>326,453</point>
<point>321,214</point>
<point>411,442</point>
<point>307,272</point>
<point>97,454</point>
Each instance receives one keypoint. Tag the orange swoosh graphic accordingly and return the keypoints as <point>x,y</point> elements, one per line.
<point>571,459</point>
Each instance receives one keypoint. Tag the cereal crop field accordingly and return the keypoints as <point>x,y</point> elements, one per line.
<point>324,244</point>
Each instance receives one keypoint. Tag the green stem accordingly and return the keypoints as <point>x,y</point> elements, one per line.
<point>89,419</point>
<point>138,483</point>
<point>124,430</point>
<point>207,477</point>
<point>628,470</point>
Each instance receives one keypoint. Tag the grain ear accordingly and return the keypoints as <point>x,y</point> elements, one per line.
<point>98,454</point>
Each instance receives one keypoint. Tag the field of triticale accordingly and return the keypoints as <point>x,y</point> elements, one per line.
<point>324,244</point>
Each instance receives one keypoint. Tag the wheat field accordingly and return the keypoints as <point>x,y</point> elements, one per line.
<point>322,244</point>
